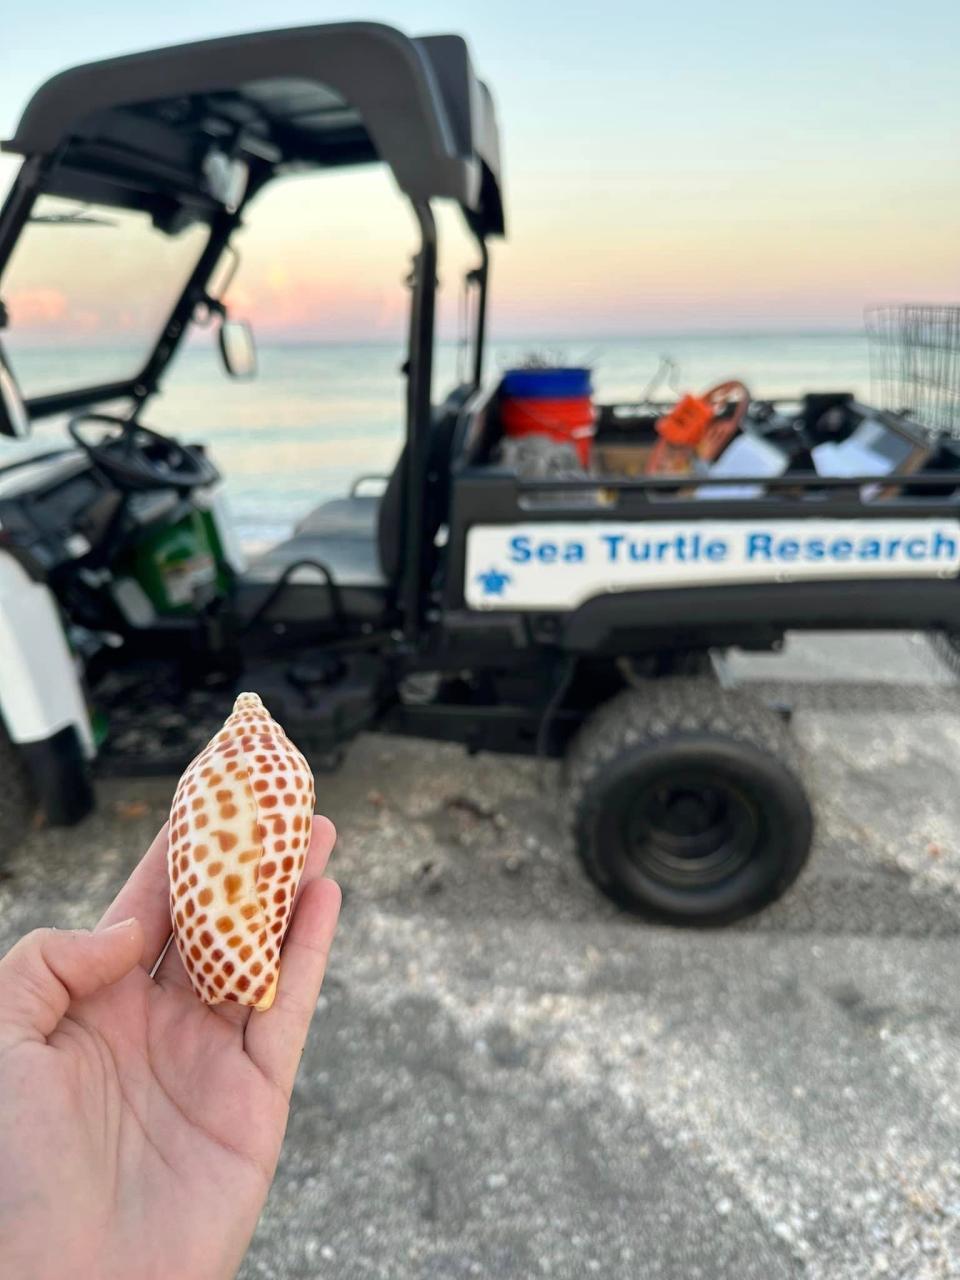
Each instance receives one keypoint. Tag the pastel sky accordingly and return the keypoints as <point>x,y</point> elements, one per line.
<point>672,167</point>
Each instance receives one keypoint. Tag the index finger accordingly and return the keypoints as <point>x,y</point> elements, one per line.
<point>274,1039</point>
<point>146,895</point>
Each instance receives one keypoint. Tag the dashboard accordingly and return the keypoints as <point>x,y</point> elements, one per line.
<point>54,508</point>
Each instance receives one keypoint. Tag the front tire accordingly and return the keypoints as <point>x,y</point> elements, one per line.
<point>685,802</point>
<point>17,803</point>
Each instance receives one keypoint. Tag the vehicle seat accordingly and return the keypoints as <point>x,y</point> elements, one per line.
<point>357,540</point>
<point>478,431</point>
<point>352,516</point>
<point>357,513</point>
<point>295,573</point>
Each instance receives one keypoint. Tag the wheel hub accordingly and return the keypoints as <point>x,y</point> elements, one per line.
<point>686,830</point>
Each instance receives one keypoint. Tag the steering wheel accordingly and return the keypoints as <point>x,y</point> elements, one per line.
<point>137,457</point>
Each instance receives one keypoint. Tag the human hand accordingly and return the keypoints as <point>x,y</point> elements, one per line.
<point>139,1128</point>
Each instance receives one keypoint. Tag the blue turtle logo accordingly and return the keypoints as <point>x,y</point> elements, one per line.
<point>493,581</point>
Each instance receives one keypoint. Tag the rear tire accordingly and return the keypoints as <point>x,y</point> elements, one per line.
<point>946,645</point>
<point>16,798</point>
<point>685,802</point>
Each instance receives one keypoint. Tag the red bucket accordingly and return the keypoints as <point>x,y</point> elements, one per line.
<point>568,420</point>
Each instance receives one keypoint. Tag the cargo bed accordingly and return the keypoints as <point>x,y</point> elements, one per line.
<point>622,563</point>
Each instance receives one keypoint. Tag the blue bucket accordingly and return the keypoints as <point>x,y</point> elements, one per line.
<point>547,384</point>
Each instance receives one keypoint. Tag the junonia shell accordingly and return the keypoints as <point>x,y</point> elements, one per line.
<point>240,827</point>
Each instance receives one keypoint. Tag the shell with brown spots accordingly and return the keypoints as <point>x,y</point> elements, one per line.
<point>239,799</point>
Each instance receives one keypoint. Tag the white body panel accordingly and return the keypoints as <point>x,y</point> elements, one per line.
<point>43,470</point>
<point>559,565</point>
<point>39,690</point>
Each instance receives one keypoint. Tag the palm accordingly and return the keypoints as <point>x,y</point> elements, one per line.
<point>164,1119</point>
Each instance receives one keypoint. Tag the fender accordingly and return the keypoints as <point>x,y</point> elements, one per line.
<point>41,701</point>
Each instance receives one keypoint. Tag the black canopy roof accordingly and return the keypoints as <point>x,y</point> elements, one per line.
<point>141,128</point>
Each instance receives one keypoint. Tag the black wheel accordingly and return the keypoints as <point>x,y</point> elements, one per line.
<point>685,802</point>
<point>946,645</point>
<point>16,800</point>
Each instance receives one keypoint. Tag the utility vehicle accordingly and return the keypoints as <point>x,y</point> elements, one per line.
<point>468,601</point>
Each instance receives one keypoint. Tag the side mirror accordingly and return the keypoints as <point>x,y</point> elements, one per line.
<point>238,350</point>
<point>14,419</point>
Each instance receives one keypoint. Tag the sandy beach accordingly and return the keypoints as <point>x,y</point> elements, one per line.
<point>507,1078</point>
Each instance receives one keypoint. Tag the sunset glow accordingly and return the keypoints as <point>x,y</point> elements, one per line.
<point>665,172</point>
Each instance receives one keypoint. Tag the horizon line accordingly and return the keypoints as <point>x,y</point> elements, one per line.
<point>268,342</point>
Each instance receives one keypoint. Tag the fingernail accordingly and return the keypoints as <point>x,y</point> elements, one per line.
<point>121,924</point>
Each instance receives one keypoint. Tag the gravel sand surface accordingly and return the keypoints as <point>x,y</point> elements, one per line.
<point>507,1078</point>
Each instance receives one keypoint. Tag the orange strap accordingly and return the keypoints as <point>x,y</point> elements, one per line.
<point>684,426</point>
<point>694,428</point>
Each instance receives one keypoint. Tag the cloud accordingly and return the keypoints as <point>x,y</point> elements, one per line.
<point>35,308</point>
<point>278,303</point>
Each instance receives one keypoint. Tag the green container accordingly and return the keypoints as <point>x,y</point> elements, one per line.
<point>181,566</point>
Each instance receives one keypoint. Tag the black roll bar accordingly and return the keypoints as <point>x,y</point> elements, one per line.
<point>16,208</point>
<point>419,413</point>
<point>482,277</point>
<point>222,227</point>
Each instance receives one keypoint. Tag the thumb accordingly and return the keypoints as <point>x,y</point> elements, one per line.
<point>49,968</point>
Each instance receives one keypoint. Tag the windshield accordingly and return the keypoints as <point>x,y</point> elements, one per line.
<point>87,291</point>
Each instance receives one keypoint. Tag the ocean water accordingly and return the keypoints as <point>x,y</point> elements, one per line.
<point>316,417</point>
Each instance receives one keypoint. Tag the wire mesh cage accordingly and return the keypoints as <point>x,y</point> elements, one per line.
<point>915,363</point>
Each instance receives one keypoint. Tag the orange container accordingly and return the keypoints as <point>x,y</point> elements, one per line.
<point>567,420</point>
<point>686,423</point>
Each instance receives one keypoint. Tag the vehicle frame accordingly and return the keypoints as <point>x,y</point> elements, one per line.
<point>515,679</point>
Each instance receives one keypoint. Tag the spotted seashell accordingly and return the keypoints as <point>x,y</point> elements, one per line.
<point>240,827</point>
